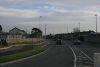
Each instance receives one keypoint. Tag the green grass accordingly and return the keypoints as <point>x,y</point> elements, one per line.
<point>36,49</point>
<point>25,42</point>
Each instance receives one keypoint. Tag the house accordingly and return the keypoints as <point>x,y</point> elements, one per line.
<point>16,33</point>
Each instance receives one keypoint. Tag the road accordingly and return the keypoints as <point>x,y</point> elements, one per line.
<point>55,56</point>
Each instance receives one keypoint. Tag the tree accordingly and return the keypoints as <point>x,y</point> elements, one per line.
<point>36,32</point>
<point>0,28</point>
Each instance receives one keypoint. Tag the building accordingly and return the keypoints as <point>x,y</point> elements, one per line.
<point>16,33</point>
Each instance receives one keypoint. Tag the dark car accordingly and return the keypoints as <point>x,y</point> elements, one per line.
<point>59,42</point>
<point>77,42</point>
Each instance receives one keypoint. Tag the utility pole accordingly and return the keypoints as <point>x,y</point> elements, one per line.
<point>96,21</point>
<point>40,27</point>
<point>79,30</point>
<point>45,30</point>
<point>40,22</point>
<point>79,27</point>
<point>67,28</point>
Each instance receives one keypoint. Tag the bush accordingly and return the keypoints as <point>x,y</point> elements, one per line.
<point>3,42</point>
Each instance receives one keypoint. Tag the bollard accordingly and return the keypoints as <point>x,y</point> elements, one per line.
<point>96,59</point>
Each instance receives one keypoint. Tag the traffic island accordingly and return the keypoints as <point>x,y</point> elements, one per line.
<point>37,48</point>
<point>96,59</point>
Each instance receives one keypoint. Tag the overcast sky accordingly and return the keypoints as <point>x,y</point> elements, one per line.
<point>58,15</point>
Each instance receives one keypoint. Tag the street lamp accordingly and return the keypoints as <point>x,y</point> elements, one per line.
<point>40,22</point>
<point>79,26</point>
<point>79,29</point>
<point>67,28</point>
<point>40,27</point>
<point>96,21</point>
<point>45,29</point>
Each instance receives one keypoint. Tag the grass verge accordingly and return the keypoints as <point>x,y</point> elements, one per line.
<point>36,49</point>
<point>95,45</point>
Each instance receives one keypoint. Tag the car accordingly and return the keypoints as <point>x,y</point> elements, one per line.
<point>69,39</point>
<point>77,42</point>
<point>59,42</point>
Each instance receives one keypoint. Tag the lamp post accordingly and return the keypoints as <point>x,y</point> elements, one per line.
<point>40,22</point>
<point>67,28</point>
<point>40,27</point>
<point>45,30</point>
<point>79,30</point>
<point>79,27</point>
<point>96,21</point>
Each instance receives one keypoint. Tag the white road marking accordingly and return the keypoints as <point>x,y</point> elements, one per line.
<point>86,55</point>
<point>75,58</point>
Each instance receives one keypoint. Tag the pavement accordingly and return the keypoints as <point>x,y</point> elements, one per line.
<point>55,56</point>
<point>88,49</point>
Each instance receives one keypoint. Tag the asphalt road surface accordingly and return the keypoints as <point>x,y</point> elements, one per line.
<point>55,56</point>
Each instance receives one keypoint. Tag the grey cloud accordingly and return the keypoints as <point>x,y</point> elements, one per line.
<point>64,12</point>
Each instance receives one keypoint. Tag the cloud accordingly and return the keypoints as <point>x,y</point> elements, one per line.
<point>25,13</point>
<point>17,1</point>
<point>17,12</point>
